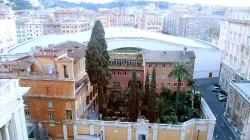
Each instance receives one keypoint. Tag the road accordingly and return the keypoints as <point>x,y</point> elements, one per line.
<point>222,130</point>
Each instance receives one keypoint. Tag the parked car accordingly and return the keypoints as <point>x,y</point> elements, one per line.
<point>223,98</point>
<point>216,87</point>
<point>222,92</point>
<point>221,95</point>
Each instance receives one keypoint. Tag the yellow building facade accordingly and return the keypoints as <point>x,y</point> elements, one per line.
<point>201,129</point>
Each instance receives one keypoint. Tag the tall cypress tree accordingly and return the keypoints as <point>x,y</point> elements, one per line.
<point>152,92</point>
<point>146,97</point>
<point>97,64</point>
<point>133,99</point>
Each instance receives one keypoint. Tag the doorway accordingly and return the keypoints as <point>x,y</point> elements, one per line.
<point>141,137</point>
<point>210,74</point>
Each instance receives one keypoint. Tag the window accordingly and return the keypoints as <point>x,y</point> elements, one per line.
<point>162,85</point>
<point>238,106</point>
<point>131,73</point>
<point>138,74</point>
<point>149,65</point>
<point>182,84</point>
<point>163,66</point>
<point>65,68</point>
<point>124,73</point>
<point>119,73</point>
<point>82,63</point>
<point>27,114</point>
<point>163,76</point>
<point>156,85</point>
<point>50,104</point>
<point>175,84</point>
<point>156,65</point>
<point>116,84</point>
<point>156,76</point>
<point>170,66</point>
<point>113,72</point>
<point>150,76</point>
<point>51,116</point>
<point>69,114</point>
<point>26,103</point>
<point>169,85</point>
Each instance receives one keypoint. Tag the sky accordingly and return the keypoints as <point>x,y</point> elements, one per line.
<point>210,2</point>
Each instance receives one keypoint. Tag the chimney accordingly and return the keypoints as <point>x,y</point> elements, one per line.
<point>164,52</point>
<point>185,51</point>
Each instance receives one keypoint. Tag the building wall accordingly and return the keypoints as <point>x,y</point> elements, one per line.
<point>12,122</point>
<point>237,110</point>
<point>124,79</point>
<point>213,64</point>
<point>236,56</point>
<point>8,36</point>
<point>33,30</point>
<point>49,88</point>
<point>130,131</point>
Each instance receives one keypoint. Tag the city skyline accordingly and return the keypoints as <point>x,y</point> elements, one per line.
<point>212,2</point>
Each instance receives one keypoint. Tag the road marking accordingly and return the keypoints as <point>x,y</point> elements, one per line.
<point>230,137</point>
<point>216,136</point>
<point>229,127</point>
<point>222,124</point>
<point>221,131</point>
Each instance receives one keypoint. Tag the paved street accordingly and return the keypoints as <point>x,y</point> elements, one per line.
<point>222,130</point>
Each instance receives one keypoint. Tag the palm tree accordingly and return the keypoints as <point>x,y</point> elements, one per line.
<point>180,73</point>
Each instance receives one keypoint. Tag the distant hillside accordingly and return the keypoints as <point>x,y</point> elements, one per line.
<point>18,4</point>
<point>93,6</point>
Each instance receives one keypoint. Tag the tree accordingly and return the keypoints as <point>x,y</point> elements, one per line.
<point>152,92</point>
<point>97,64</point>
<point>161,105</point>
<point>194,89</point>
<point>133,99</point>
<point>146,96</point>
<point>180,73</point>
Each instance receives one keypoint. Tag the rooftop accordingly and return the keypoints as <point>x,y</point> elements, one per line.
<point>243,87</point>
<point>167,56</point>
<point>117,37</point>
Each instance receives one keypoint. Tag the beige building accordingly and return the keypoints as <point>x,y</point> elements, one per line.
<point>235,63</point>
<point>33,29</point>
<point>223,35</point>
<point>201,129</point>
<point>237,109</point>
<point>65,27</point>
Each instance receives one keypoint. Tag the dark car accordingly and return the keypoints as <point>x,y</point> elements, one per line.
<point>223,92</point>
<point>216,87</point>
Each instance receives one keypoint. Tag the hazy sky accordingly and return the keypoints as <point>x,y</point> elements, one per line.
<point>211,2</point>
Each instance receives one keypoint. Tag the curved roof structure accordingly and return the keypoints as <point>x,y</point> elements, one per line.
<point>117,37</point>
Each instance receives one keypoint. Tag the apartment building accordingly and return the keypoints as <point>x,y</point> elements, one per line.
<point>8,35</point>
<point>237,108</point>
<point>33,29</point>
<point>223,35</point>
<point>235,63</point>
<point>144,61</point>
<point>148,21</point>
<point>12,122</point>
<point>192,26</point>
<point>66,14</point>
<point>60,89</point>
<point>20,31</point>
<point>65,27</point>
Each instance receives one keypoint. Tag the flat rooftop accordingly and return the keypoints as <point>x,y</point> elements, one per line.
<point>117,37</point>
<point>244,87</point>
